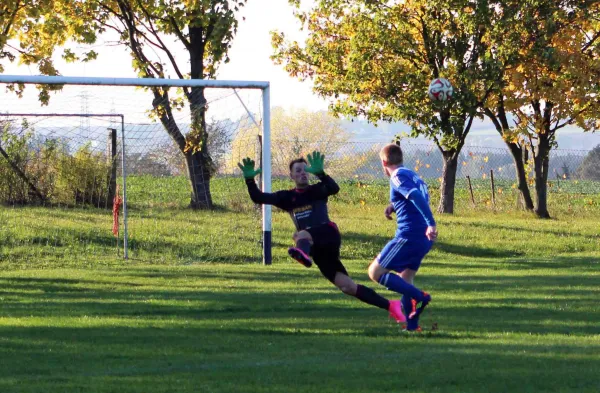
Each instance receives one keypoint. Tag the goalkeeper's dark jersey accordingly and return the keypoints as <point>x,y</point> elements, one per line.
<point>308,207</point>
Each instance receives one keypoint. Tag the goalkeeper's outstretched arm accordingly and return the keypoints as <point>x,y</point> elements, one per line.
<point>327,186</point>
<point>263,198</point>
<point>257,196</point>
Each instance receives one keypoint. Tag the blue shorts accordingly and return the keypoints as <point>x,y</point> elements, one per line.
<point>400,254</point>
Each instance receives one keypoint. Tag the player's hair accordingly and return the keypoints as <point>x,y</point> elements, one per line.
<point>391,154</point>
<point>297,160</point>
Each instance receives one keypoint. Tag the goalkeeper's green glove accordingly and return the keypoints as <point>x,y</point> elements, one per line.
<point>315,163</point>
<point>248,168</point>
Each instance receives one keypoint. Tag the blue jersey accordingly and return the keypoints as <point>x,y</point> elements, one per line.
<point>411,222</point>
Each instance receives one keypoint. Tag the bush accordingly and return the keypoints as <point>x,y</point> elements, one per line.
<point>13,189</point>
<point>82,178</point>
<point>62,178</point>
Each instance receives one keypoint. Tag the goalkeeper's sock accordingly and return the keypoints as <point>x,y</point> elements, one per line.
<point>369,296</point>
<point>303,245</point>
<point>395,283</point>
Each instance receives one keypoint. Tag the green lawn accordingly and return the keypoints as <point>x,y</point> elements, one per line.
<point>515,302</point>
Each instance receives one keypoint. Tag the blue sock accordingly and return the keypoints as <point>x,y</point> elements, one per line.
<point>411,324</point>
<point>407,305</point>
<point>395,283</point>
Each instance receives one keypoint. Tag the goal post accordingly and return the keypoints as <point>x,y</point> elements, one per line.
<point>265,134</point>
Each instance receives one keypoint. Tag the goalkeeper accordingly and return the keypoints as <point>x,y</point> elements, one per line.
<point>315,235</point>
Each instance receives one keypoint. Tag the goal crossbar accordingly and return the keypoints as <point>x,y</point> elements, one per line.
<point>141,82</point>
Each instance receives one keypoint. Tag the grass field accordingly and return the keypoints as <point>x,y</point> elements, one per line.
<point>515,302</point>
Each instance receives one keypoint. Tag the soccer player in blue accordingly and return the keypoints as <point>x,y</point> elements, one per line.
<point>415,234</point>
<point>316,235</point>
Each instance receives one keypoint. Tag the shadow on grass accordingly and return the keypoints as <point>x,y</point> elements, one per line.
<point>154,328</point>
<point>474,251</point>
<point>321,355</point>
<point>377,240</point>
<point>581,263</point>
<point>522,263</point>
<point>495,304</point>
<point>376,243</point>
<point>556,232</point>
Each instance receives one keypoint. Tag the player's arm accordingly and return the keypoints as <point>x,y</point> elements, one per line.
<point>389,209</point>
<point>326,186</point>
<point>418,199</point>
<point>411,191</point>
<point>257,196</point>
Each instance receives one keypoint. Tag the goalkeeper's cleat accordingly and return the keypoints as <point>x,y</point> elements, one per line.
<point>300,256</point>
<point>420,306</point>
<point>395,310</point>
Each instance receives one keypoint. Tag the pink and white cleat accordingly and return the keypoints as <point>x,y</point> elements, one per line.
<point>396,311</point>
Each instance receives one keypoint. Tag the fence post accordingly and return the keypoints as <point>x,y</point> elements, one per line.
<point>493,187</point>
<point>111,155</point>
<point>471,190</point>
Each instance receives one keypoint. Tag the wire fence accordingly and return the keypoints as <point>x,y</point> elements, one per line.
<point>570,171</point>
<point>82,176</point>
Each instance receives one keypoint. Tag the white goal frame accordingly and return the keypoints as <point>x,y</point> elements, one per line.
<point>149,82</point>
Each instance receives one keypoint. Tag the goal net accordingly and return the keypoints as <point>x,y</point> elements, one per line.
<point>97,169</point>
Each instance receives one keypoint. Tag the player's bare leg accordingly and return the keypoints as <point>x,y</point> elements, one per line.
<point>345,284</point>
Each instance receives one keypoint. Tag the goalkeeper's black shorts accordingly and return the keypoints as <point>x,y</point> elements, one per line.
<point>325,250</point>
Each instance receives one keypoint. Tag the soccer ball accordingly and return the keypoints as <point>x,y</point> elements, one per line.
<point>440,90</point>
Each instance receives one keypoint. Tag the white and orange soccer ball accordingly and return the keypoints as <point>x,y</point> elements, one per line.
<point>440,90</point>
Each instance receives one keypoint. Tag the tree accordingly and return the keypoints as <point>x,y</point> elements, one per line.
<point>16,17</point>
<point>375,60</point>
<point>496,112</point>
<point>495,107</point>
<point>31,30</point>
<point>552,47</point>
<point>590,167</point>
<point>152,31</point>
<point>295,134</point>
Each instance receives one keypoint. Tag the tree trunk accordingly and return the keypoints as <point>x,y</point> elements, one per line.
<point>201,164</point>
<point>448,182</point>
<point>198,158</point>
<point>519,158</point>
<point>540,161</point>
<point>199,174</point>
<point>519,155</point>
<point>197,163</point>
